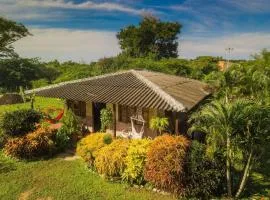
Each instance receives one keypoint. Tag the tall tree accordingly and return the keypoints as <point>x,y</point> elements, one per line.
<point>151,37</point>
<point>240,129</point>
<point>16,72</point>
<point>10,32</point>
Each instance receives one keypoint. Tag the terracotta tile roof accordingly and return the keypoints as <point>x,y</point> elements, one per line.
<point>134,88</point>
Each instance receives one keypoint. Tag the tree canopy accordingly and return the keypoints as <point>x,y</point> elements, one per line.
<point>16,72</point>
<point>151,37</point>
<point>10,32</point>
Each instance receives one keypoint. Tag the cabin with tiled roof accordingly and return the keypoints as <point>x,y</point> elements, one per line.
<point>130,94</point>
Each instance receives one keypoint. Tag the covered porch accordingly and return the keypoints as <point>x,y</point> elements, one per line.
<point>127,119</point>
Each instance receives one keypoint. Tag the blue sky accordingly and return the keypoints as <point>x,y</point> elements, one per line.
<point>84,30</point>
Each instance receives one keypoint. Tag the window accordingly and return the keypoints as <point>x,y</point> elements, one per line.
<point>145,114</point>
<point>78,107</point>
<point>125,112</point>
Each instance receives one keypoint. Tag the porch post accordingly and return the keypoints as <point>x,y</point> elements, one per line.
<point>177,126</point>
<point>65,104</point>
<point>114,120</point>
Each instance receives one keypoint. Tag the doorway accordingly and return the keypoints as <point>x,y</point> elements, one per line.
<point>97,107</point>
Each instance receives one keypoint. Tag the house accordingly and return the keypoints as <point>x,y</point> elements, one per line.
<point>224,65</point>
<point>130,93</point>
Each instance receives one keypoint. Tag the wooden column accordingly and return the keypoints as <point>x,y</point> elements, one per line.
<point>114,120</point>
<point>177,126</point>
<point>66,105</point>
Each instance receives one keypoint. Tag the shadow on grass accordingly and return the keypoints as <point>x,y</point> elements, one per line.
<point>259,184</point>
<point>6,166</point>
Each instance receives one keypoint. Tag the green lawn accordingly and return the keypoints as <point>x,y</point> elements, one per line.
<point>40,103</point>
<point>260,178</point>
<point>57,178</point>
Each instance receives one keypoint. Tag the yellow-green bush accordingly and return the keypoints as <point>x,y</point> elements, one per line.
<point>165,162</point>
<point>110,160</point>
<point>88,146</point>
<point>135,161</point>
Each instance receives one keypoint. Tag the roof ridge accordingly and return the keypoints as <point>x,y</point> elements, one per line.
<point>168,98</point>
<point>171,75</point>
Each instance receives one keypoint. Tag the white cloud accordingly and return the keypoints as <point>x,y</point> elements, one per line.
<point>38,5</point>
<point>12,9</point>
<point>51,10</point>
<point>65,44</point>
<point>90,45</point>
<point>244,45</point>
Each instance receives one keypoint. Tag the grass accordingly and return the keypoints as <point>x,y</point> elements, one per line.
<point>40,103</point>
<point>57,178</point>
<point>260,178</point>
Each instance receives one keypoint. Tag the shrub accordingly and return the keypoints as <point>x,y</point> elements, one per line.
<point>88,146</point>
<point>107,139</point>
<point>159,123</point>
<point>68,131</point>
<point>36,144</point>
<point>62,138</point>
<point>165,162</point>
<point>20,122</point>
<point>3,138</point>
<point>110,160</point>
<point>71,122</point>
<point>106,118</point>
<point>135,161</point>
<point>204,176</point>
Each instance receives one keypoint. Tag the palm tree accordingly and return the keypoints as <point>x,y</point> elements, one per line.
<point>233,127</point>
<point>159,123</point>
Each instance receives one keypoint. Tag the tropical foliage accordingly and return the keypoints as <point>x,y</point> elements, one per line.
<point>33,145</point>
<point>159,124</point>
<point>106,118</point>
<point>20,122</point>
<point>135,161</point>
<point>204,176</point>
<point>238,129</point>
<point>110,160</point>
<point>165,162</point>
<point>89,145</point>
<point>70,123</point>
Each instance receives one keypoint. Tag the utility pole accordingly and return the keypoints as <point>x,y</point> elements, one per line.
<point>229,51</point>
